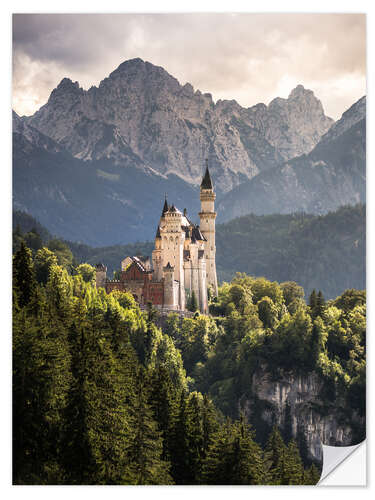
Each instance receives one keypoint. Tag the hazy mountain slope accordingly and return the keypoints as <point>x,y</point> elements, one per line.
<point>323,252</point>
<point>94,202</point>
<point>172,128</point>
<point>333,174</point>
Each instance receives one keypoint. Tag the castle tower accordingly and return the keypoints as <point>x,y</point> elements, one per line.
<point>207,226</point>
<point>100,275</point>
<point>156,257</point>
<point>172,248</point>
<point>170,298</point>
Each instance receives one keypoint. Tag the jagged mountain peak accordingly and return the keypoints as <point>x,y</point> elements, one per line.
<point>172,128</point>
<point>299,91</point>
<point>67,84</point>
<point>137,67</point>
<point>298,94</point>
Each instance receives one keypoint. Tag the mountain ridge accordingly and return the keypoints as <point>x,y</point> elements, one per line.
<point>141,108</point>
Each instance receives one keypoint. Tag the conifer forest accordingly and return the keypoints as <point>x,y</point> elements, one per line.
<point>106,393</point>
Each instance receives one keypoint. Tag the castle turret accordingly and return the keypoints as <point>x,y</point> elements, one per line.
<point>173,247</point>
<point>207,226</point>
<point>156,257</point>
<point>100,275</point>
<point>170,290</point>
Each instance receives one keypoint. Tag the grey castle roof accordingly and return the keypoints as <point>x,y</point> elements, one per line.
<point>173,209</point>
<point>158,233</point>
<point>197,234</point>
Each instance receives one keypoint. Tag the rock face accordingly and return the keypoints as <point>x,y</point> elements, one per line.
<point>28,134</point>
<point>140,110</point>
<point>321,423</point>
<point>331,175</point>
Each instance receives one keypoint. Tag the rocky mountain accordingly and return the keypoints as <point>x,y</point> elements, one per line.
<point>331,175</point>
<point>27,134</point>
<point>140,111</point>
<point>93,165</point>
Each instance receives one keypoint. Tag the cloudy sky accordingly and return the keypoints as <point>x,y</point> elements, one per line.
<point>248,57</point>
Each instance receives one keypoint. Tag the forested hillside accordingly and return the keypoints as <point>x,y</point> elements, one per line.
<point>323,252</point>
<point>101,396</point>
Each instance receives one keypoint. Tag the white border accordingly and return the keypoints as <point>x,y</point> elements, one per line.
<point>110,6</point>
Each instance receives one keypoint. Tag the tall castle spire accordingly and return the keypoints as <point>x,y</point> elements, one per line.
<point>206,181</point>
<point>207,225</point>
<point>165,207</point>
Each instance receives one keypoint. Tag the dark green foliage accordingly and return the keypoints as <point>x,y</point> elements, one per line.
<point>260,333</point>
<point>317,304</point>
<point>23,275</point>
<point>62,252</point>
<point>311,475</point>
<point>81,409</point>
<point>43,261</point>
<point>100,393</point>
<point>146,448</point>
<point>350,299</point>
<point>233,457</point>
<point>87,272</point>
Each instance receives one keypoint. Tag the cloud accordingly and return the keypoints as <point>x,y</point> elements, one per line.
<point>248,57</point>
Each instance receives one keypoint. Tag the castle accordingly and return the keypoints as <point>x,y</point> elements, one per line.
<point>183,259</point>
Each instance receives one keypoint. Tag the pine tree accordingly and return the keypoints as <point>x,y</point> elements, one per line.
<point>146,450</point>
<point>288,427</point>
<point>43,261</point>
<point>274,457</point>
<point>23,274</point>
<point>248,467</point>
<point>218,463</point>
<point>100,426</point>
<point>195,437</point>
<point>320,305</point>
<point>293,470</point>
<point>210,424</point>
<point>180,452</point>
<point>163,403</point>
<point>311,475</point>
<point>312,302</point>
<point>302,443</point>
<point>41,379</point>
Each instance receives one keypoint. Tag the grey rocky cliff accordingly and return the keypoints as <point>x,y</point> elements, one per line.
<point>32,136</point>
<point>143,111</point>
<point>322,422</point>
